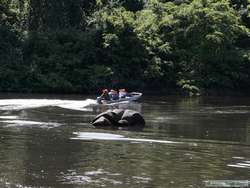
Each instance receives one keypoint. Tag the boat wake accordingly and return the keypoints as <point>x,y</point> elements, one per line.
<point>20,104</point>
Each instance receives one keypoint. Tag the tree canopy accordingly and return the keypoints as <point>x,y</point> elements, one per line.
<point>76,46</point>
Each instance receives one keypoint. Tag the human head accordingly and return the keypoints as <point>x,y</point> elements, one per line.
<point>104,90</point>
<point>113,91</point>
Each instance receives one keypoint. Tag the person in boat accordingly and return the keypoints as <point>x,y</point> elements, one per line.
<point>113,94</point>
<point>105,95</point>
<point>122,93</point>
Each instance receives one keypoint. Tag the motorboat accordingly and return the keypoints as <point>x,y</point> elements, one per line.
<point>132,96</point>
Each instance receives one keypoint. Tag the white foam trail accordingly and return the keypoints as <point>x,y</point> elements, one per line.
<point>20,104</point>
<point>77,105</point>
<point>114,137</point>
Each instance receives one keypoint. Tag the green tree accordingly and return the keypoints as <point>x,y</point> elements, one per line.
<point>122,50</point>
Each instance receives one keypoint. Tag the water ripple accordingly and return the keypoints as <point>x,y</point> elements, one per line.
<point>89,177</point>
<point>243,163</point>
<point>9,117</point>
<point>23,123</point>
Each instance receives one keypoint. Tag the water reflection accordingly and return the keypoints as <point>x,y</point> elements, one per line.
<point>194,118</point>
<point>124,105</point>
<point>114,137</point>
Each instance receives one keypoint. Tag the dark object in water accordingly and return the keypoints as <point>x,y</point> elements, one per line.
<point>118,118</point>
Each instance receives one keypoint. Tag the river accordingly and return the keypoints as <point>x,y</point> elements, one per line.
<point>48,142</point>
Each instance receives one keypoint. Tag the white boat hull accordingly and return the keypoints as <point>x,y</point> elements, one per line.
<point>133,96</point>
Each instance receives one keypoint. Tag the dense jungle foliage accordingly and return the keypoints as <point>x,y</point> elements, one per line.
<point>82,46</point>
